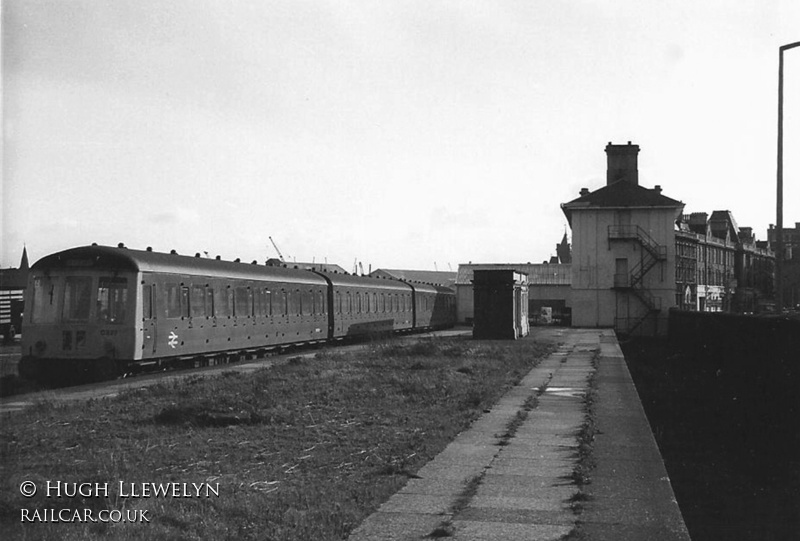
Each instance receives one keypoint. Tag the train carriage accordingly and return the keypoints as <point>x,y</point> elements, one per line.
<point>110,309</point>
<point>97,311</point>
<point>369,306</point>
<point>434,306</point>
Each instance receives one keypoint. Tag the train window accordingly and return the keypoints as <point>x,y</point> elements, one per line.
<point>147,302</point>
<point>222,303</point>
<point>231,301</point>
<point>258,302</point>
<point>197,301</point>
<point>338,301</point>
<point>112,299</point>
<point>302,302</point>
<point>77,298</point>
<point>267,302</point>
<point>358,302</point>
<point>320,302</point>
<point>283,308</point>
<point>210,312</point>
<point>173,301</point>
<point>306,303</point>
<point>375,302</point>
<point>292,302</point>
<point>241,305</point>
<point>366,303</point>
<point>383,302</point>
<point>44,309</point>
<point>184,301</point>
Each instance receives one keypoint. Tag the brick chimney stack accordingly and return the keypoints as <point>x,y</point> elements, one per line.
<point>622,163</point>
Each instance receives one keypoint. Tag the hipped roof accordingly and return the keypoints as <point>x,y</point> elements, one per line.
<point>621,194</point>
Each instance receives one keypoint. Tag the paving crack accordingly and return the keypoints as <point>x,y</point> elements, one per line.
<point>581,474</point>
<point>446,528</point>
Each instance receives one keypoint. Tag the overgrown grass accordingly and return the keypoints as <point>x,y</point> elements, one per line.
<point>303,450</point>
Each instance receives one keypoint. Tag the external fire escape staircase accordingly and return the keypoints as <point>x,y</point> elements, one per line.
<point>633,282</point>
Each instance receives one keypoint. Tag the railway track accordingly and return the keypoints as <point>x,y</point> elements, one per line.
<point>111,388</point>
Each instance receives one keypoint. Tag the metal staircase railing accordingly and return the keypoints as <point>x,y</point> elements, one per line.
<point>634,281</point>
<point>625,281</point>
<point>634,232</point>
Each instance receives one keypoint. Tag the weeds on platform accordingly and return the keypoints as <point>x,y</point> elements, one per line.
<point>585,464</point>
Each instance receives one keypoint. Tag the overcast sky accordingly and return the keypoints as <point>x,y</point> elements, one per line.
<point>404,134</point>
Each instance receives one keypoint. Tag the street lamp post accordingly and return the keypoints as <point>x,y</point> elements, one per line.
<point>779,217</point>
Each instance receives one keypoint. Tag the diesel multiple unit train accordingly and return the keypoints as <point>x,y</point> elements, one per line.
<point>96,312</point>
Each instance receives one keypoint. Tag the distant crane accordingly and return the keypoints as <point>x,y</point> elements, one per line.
<point>280,255</point>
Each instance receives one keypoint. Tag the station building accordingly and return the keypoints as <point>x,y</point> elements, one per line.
<point>623,250</point>
<point>635,255</point>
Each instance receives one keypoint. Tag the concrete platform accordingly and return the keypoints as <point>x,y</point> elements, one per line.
<point>478,489</point>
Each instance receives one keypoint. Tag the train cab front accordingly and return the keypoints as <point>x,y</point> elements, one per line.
<point>79,325</point>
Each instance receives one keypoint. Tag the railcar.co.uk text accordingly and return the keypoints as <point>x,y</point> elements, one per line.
<point>63,489</point>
